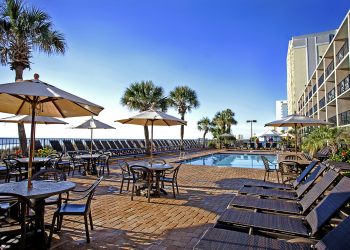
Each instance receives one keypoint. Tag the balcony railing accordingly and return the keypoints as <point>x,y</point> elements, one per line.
<point>331,95</point>
<point>320,82</point>
<point>314,88</point>
<point>311,111</point>
<point>322,102</point>
<point>342,52</point>
<point>333,120</point>
<point>329,68</point>
<point>344,118</point>
<point>315,108</point>
<point>344,85</point>
<point>307,114</point>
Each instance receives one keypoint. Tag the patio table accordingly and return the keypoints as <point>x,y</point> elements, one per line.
<point>39,192</point>
<point>158,169</point>
<point>37,162</point>
<point>91,159</point>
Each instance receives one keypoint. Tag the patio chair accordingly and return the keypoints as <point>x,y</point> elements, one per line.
<point>80,145</point>
<point>170,176</point>
<point>76,163</point>
<point>142,179</point>
<point>216,238</point>
<point>283,206</point>
<point>52,161</point>
<point>298,180</point>
<point>102,162</point>
<point>324,153</point>
<point>269,169</point>
<point>14,169</point>
<point>69,146</point>
<point>286,194</point>
<point>54,175</point>
<point>76,209</point>
<point>281,224</point>
<point>56,146</point>
<point>126,174</point>
<point>14,228</point>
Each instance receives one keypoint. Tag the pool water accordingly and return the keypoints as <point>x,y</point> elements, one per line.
<point>231,160</point>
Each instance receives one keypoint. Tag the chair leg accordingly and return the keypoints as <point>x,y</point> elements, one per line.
<point>265,176</point>
<point>60,222</point>
<point>55,215</point>
<point>132,192</point>
<point>149,193</point>
<point>121,186</point>
<point>177,187</point>
<point>127,188</point>
<point>268,175</point>
<point>278,178</point>
<point>91,225</point>
<point>173,184</point>
<point>86,229</point>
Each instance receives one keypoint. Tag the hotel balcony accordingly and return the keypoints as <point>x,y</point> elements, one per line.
<point>333,120</point>
<point>342,52</point>
<point>329,70</point>
<point>344,118</point>
<point>331,95</point>
<point>344,85</point>
<point>322,102</point>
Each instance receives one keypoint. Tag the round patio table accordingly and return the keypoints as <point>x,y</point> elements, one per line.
<point>91,159</point>
<point>158,169</point>
<point>37,161</point>
<point>39,192</point>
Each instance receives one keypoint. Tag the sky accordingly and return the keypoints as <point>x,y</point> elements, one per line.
<point>232,53</point>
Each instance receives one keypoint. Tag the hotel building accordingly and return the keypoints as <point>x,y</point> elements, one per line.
<point>281,111</point>
<point>326,95</point>
<point>304,53</point>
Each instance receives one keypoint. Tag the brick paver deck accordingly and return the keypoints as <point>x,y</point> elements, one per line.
<point>165,223</point>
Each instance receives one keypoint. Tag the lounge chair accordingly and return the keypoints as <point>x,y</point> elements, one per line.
<point>324,153</point>
<point>283,206</point>
<point>282,224</point>
<point>299,179</point>
<point>99,145</point>
<point>56,146</point>
<point>108,148</point>
<point>69,146</point>
<point>88,144</point>
<point>38,145</point>
<point>286,194</point>
<point>114,147</point>
<point>216,238</point>
<point>80,145</point>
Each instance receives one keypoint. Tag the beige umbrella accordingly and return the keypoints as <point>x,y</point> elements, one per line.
<point>93,124</point>
<point>295,121</point>
<point>34,97</point>
<point>153,118</point>
<point>28,119</point>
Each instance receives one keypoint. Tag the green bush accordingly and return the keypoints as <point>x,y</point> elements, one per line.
<point>44,152</point>
<point>343,155</point>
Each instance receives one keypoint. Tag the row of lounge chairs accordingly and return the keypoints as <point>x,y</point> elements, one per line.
<point>302,215</point>
<point>121,147</point>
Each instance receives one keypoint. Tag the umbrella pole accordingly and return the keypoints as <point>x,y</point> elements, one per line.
<point>296,138</point>
<point>31,149</point>
<point>152,141</point>
<point>91,146</point>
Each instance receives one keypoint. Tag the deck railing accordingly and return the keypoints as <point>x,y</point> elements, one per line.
<point>344,85</point>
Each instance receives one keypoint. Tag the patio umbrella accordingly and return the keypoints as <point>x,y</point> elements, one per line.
<point>295,121</point>
<point>93,124</point>
<point>153,118</point>
<point>34,97</point>
<point>28,119</point>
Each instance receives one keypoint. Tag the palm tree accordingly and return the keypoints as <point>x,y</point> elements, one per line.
<point>144,96</point>
<point>204,124</point>
<point>184,99</point>
<point>224,120</point>
<point>22,30</point>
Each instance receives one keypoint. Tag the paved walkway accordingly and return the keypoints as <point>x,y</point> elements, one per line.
<point>165,223</point>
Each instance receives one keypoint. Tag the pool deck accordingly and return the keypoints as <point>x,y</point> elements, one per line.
<point>164,223</point>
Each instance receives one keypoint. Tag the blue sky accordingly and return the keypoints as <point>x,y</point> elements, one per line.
<point>233,53</point>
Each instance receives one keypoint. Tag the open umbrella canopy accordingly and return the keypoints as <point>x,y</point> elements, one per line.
<point>268,133</point>
<point>17,98</point>
<point>152,117</point>
<point>28,119</point>
<point>34,97</point>
<point>94,124</point>
<point>296,120</point>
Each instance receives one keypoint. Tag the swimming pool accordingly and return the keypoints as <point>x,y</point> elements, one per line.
<point>231,160</point>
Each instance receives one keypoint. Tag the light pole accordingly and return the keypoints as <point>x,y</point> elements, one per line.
<point>251,129</point>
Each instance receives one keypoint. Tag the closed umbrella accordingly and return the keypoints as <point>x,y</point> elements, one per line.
<point>296,121</point>
<point>153,118</point>
<point>93,124</point>
<point>34,97</point>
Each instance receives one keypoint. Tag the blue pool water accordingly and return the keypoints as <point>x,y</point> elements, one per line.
<point>231,160</point>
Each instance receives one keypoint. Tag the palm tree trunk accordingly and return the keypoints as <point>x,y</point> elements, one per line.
<point>147,140</point>
<point>182,131</point>
<point>205,133</point>
<point>21,131</point>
